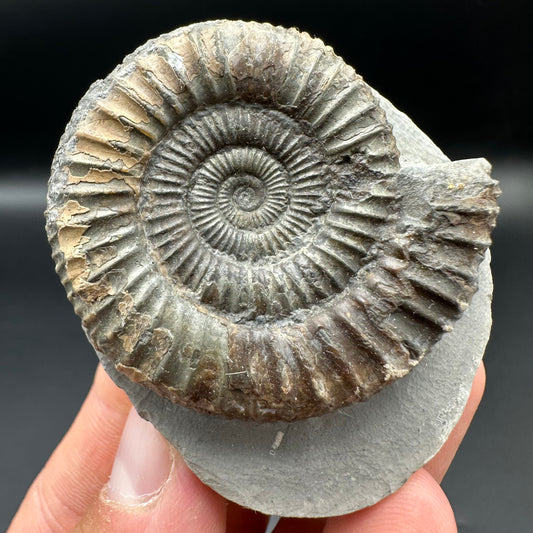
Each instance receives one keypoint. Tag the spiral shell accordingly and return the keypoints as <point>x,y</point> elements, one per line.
<point>230,219</point>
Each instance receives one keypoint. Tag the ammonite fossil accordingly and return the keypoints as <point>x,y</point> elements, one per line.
<point>230,220</point>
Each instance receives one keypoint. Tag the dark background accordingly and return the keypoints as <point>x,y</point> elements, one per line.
<point>460,69</point>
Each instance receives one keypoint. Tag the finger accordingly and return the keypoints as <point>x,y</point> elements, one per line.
<point>420,506</point>
<point>151,490</point>
<point>438,466</point>
<point>239,519</point>
<point>300,525</point>
<point>80,465</point>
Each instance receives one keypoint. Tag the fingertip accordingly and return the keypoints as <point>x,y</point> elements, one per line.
<point>181,503</point>
<point>142,463</point>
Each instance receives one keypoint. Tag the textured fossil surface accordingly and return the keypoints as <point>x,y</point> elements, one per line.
<point>230,219</point>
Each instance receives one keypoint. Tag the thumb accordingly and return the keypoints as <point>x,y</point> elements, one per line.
<point>152,490</point>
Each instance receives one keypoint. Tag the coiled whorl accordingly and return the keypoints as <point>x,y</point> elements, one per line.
<point>227,215</point>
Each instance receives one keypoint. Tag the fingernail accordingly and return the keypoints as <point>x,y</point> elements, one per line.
<point>142,464</point>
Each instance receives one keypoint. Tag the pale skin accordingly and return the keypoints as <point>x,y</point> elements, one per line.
<point>71,493</point>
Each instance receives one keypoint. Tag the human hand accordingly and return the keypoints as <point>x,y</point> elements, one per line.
<point>113,472</point>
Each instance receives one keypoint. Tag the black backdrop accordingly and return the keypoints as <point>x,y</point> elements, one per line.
<point>460,69</point>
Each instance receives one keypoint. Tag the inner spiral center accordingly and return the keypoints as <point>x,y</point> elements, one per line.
<point>248,193</point>
<point>235,201</point>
